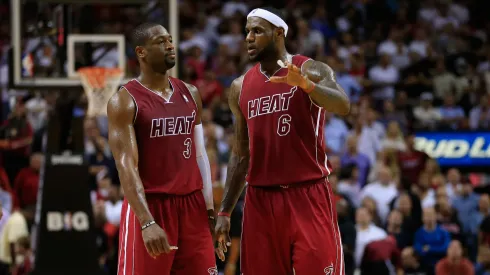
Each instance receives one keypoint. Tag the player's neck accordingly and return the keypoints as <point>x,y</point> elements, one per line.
<point>270,66</point>
<point>154,81</point>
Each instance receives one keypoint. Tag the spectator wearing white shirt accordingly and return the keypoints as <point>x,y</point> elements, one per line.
<point>420,43</point>
<point>37,111</point>
<point>426,116</point>
<point>394,138</point>
<point>373,123</point>
<point>390,45</point>
<point>384,76</point>
<point>444,82</point>
<point>367,232</point>
<point>382,191</point>
<point>452,114</point>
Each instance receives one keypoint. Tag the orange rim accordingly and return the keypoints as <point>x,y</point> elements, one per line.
<point>97,76</point>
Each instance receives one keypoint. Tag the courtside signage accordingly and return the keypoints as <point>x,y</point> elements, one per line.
<point>456,149</point>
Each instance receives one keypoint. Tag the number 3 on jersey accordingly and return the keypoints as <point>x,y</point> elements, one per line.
<point>187,151</point>
<point>283,125</point>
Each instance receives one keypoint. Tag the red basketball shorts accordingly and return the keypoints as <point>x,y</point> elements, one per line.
<point>185,220</point>
<point>290,231</point>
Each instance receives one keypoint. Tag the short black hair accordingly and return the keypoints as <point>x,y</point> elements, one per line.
<point>275,11</point>
<point>140,34</point>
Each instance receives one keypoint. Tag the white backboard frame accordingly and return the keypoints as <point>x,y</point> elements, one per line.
<point>72,39</point>
<point>72,80</point>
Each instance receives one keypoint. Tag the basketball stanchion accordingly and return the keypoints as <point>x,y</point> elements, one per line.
<point>65,235</point>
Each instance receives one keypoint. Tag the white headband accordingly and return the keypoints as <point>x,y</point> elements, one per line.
<point>269,16</point>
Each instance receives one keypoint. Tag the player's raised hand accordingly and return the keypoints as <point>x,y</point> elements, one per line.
<point>222,234</point>
<point>156,241</point>
<point>294,76</point>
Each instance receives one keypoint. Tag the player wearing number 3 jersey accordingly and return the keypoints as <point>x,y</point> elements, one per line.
<point>156,137</point>
<point>290,221</point>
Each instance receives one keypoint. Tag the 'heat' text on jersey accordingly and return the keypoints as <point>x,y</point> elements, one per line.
<point>172,126</point>
<point>270,104</point>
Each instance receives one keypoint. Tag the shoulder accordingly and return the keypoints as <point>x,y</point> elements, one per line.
<point>120,103</point>
<point>192,89</point>
<point>236,87</point>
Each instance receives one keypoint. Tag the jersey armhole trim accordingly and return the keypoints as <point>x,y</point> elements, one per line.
<point>192,96</point>
<point>135,104</point>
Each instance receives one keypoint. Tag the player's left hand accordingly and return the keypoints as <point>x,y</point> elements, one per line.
<point>294,77</point>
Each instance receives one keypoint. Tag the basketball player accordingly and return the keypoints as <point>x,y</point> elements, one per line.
<point>156,136</point>
<point>290,222</point>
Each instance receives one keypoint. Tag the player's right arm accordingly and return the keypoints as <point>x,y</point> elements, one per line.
<point>237,168</point>
<point>121,111</point>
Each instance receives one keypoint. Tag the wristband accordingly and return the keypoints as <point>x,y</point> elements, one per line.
<point>224,214</point>
<point>311,88</point>
<point>147,225</point>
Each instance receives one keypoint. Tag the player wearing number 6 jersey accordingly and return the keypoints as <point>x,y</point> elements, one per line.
<point>156,137</point>
<point>290,222</point>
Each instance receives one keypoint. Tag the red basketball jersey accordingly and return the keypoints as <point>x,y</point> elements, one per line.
<point>285,129</point>
<point>165,136</point>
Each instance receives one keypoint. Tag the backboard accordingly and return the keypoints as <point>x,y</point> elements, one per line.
<point>52,39</point>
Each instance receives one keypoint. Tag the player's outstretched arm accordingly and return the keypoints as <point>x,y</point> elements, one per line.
<point>327,93</point>
<point>237,169</point>
<point>121,112</point>
<point>318,80</point>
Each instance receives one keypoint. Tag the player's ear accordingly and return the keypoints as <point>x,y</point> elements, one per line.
<point>140,51</point>
<point>280,32</point>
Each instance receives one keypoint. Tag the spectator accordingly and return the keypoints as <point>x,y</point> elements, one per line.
<point>447,218</point>
<point>453,186</point>
<point>454,263</point>
<point>352,156</point>
<point>15,229</point>
<point>424,191</point>
<point>382,192</point>
<point>27,182</point>
<point>431,241</point>
<point>482,267</point>
<point>426,116</point>
<point>348,82</point>
<point>480,115</point>
<point>336,130</point>
<point>394,138</point>
<point>366,233</point>
<point>466,204</point>
<point>349,184</point>
<point>452,115</point>
<point>411,263</point>
<point>23,249</point>
<point>384,76</point>
<point>412,161</point>
<point>395,229</point>
<point>368,142</point>
<point>347,230</point>
<point>391,114</point>
<point>15,140</point>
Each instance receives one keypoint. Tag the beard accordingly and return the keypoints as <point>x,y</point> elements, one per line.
<point>163,66</point>
<point>269,52</point>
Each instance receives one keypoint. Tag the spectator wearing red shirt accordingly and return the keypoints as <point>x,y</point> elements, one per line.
<point>411,161</point>
<point>454,263</point>
<point>15,139</point>
<point>209,88</point>
<point>27,182</point>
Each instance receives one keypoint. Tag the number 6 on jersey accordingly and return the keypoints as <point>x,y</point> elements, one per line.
<point>283,125</point>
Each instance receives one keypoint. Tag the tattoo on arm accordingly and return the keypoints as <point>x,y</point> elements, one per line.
<point>327,92</point>
<point>240,156</point>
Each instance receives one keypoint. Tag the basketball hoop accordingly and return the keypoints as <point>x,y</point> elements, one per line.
<point>99,84</point>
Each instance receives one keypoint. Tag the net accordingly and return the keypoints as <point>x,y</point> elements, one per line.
<point>99,84</point>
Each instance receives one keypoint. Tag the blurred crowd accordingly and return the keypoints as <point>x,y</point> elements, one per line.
<point>405,65</point>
